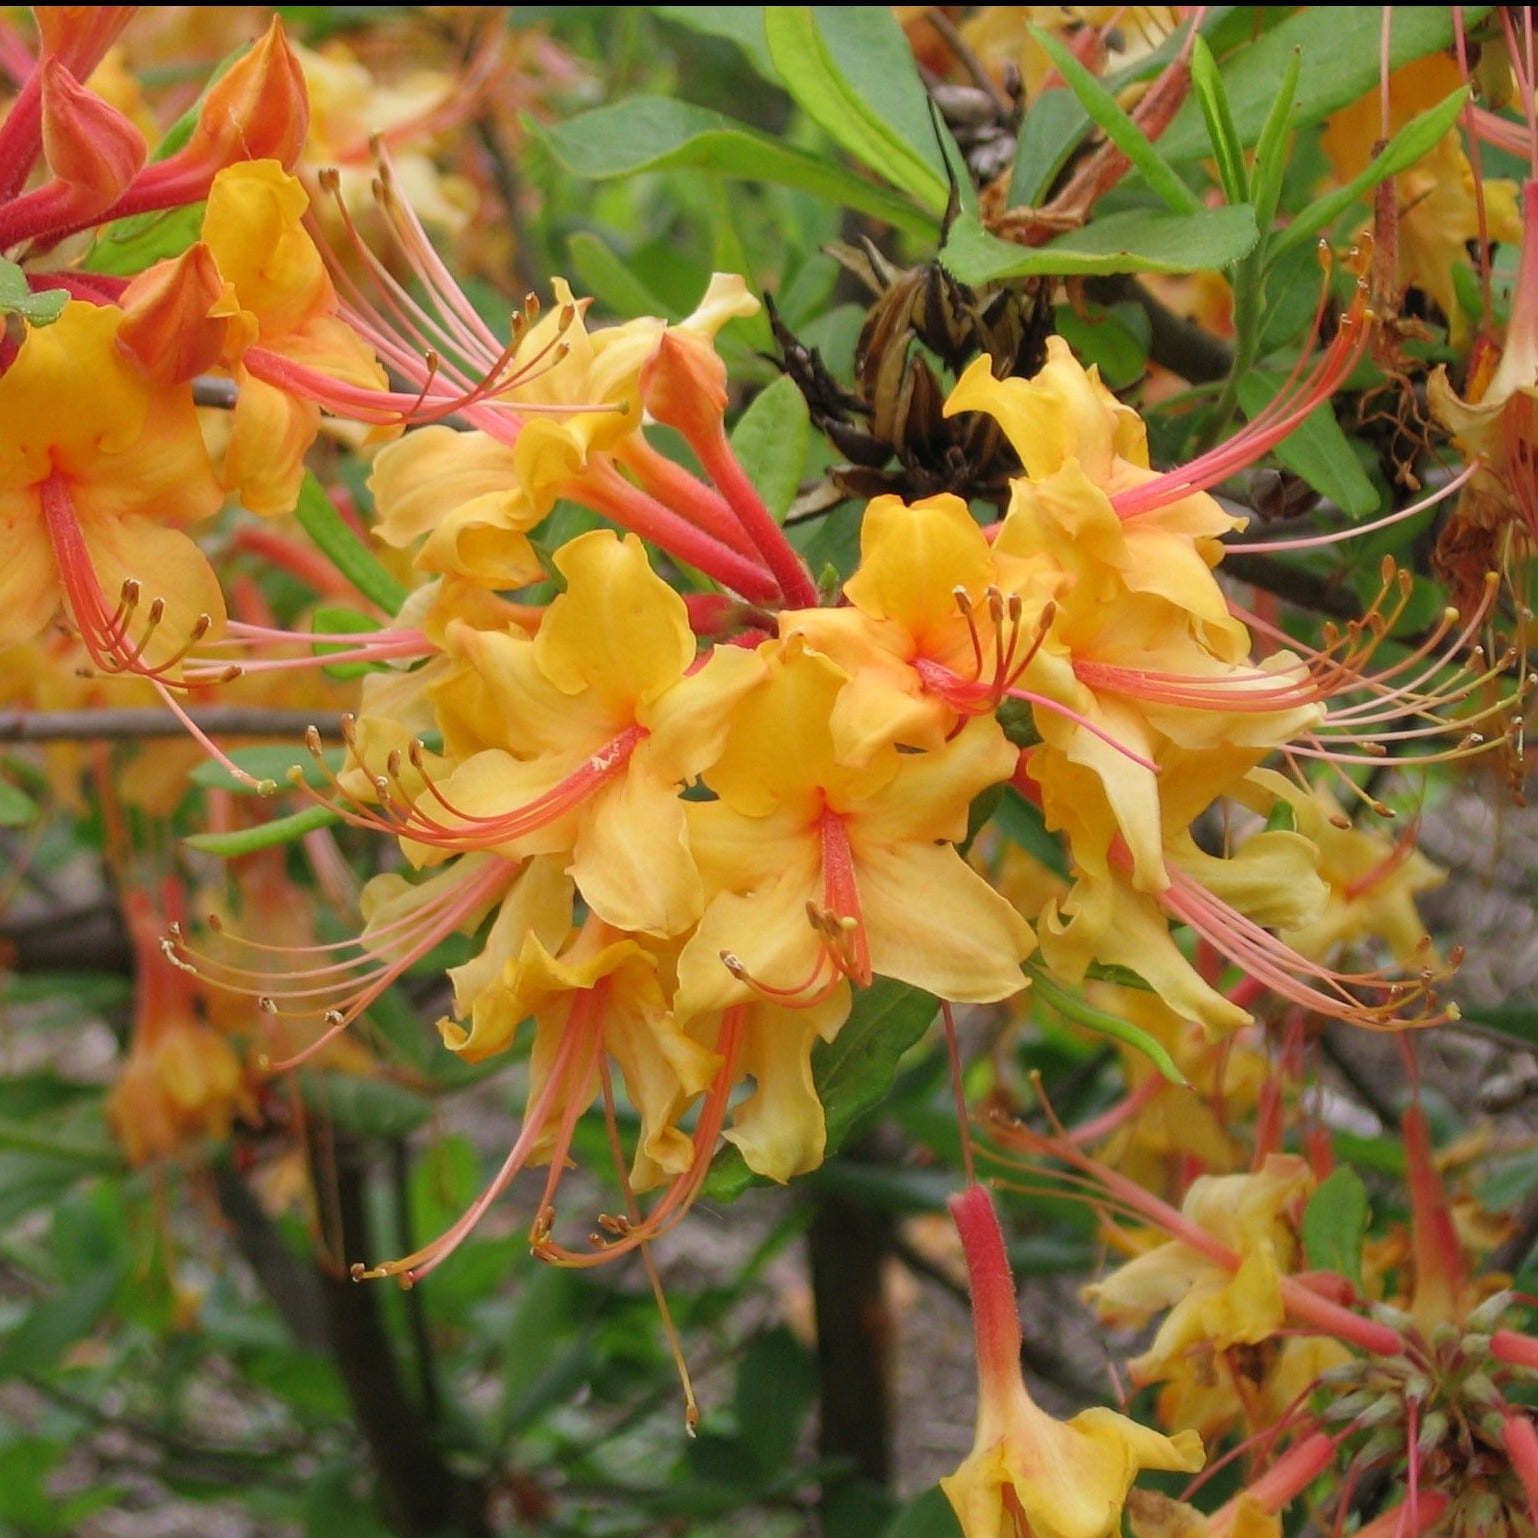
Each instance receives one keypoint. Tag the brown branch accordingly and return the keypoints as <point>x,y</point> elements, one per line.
<point>131,724</point>
<point>421,1495</point>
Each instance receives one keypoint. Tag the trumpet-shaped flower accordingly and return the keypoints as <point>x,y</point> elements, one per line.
<point>932,631</point>
<point>586,734</point>
<point>1028,1475</point>
<point>1210,1304</point>
<point>821,872</point>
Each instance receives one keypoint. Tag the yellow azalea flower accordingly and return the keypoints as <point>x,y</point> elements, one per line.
<point>454,499</point>
<point>821,871</point>
<point>1269,879</point>
<point>286,331</point>
<point>1142,649</point>
<point>1372,881</point>
<point>587,732</point>
<point>1028,1475</point>
<point>91,484</point>
<point>780,1129</point>
<point>927,635</point>
<point>1212,1305</point>
<point>1245,1388</point>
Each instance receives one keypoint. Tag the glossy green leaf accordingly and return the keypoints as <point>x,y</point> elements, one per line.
<point>739,24</point>
<point>852,1073</point>
<point>1270,164</point>
<point>1339,50</point>
<point>317,515</point>
<point>610,279</point>
<point>1102,106</point>
<point>1053,125</point>
<point>281,830</point>
<point>851,70</point>
<point>655,133</point>
<point>1317,448</point>
<point>771,440</point>
<point>1415,139</point>
<point>1335,1224</point>
<point>128,246</point>
<point>1135,240</point>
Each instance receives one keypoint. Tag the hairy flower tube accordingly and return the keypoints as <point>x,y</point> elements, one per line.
<point>1028,1475</point>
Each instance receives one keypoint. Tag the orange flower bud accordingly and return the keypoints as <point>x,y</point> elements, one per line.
<point>259,110</point>
<point>88,144</point>
<point>80,34</point>
<point>174,324</point>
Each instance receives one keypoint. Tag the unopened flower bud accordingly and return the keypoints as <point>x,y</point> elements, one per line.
<point>87,143</point>
<point>259,110</point>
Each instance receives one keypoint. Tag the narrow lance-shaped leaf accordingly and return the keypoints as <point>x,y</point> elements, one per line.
<point>1160,175</point>
<point>851,70</point>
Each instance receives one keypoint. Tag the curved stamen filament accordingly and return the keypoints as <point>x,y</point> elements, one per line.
<point>338,992</point>
<point>1298,396</point>
<point>569,1086</point>
<point>620,1235</point>
<point>843,948</point>
<point>1266,958</point>
<point>407,813</point>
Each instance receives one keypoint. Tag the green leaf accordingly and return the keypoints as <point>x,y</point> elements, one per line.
<point>17,808</point>
<point>1317,448</point>
<point>1270,166</point>
<point>127,246</point>
<point>1335,1225</point>
<point>370,1107</point>
<point>336,1504</point>
<point>852,1073</point>
<point>56,1323</point>
<point>274,762</point>
<point>771,440</point>
<point>1339,51</point>
<point>1107,112</point>
<point>930,1515</point>
<point>16,298</point>
<point>1082,1012</point>
<point>1053,126</point>
<point>610,279</point>
<point>1414,140</point>
<point>318,517</point>
<point>1136,240</point>
<point>1115,340</point>
<point>851,70</point>
<point>776,1384</point>
<point>655,133</point>
<point>1207,85</point>
<point>281,830</point>
<point>739,24</point>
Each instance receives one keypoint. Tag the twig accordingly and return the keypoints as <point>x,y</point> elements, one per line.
<point>131,723</point>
